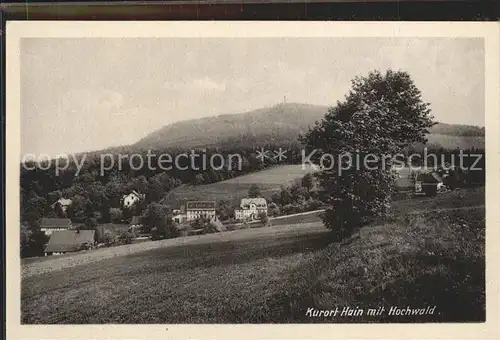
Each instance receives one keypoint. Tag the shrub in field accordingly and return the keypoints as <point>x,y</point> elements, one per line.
<point>382,114</point>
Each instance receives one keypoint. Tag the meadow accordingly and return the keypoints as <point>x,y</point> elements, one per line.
<point>419,257</point>
<point>234,189</point>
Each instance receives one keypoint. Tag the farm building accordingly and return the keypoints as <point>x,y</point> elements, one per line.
<point>49,225</point>
<point>67,241</point>
<point>251,208</point>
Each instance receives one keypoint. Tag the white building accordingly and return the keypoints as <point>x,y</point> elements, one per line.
<point>132,198</point>
<point>178,215</point>
<point>197,209</point>
<point>251,208</point>
<point>63,203</point>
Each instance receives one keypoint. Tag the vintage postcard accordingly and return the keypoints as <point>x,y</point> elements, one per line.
<point>282,180</point>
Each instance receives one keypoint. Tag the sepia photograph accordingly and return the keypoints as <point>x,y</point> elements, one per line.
<point>245,178</point>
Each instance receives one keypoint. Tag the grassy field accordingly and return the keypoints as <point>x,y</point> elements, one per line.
<point>269,181</point>
<point>275,274</point>
<point>181,283</point>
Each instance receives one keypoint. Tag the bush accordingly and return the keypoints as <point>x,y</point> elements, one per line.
<point>313,204</point>
<point>85,246</point>
<point>273,209</point>
<point>106,239</point>
<point>206,226</point>
<point>292,208</point>
<point>33,242</point>
<point>254,191</point>
<point>125,237</point>
<point>230,227</point>
<point>90,223</point>
<point>165,231</point>
<point>264,219</point>
<point>116,215</point>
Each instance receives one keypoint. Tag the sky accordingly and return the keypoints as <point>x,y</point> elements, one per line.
<point>82,94</point>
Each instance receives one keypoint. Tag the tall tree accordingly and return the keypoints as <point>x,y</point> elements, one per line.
<point>254,191</point>
<point>158,218</point>
<point>381,115</point>
<point>224,209</point>
<point>307,181</point>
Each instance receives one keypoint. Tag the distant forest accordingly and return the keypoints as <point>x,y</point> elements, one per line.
<point>457,130</point>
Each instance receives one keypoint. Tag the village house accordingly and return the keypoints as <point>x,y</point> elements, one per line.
<point>62,203</point>
<point>132,198</point>
<point>50,225</point>
<point>251,208</point>
<point>67,241</point>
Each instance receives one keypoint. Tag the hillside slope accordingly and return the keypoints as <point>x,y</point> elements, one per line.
<point>279,123</point>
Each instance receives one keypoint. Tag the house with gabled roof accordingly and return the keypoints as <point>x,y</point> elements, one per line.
<point>49,225</point>
<point>68,241</point>
<point>250,208</point>
<point>132,198</point>
<point>62,203</point>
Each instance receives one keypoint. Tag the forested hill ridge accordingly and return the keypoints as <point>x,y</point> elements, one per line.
<point>277,124</point>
